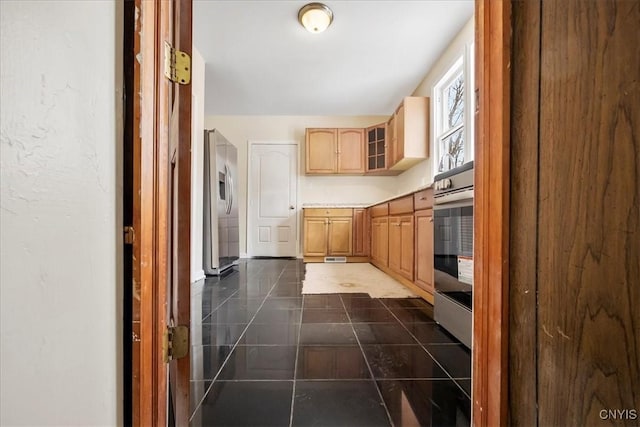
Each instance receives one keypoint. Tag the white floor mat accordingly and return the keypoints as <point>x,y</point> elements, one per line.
<point>352,278</point>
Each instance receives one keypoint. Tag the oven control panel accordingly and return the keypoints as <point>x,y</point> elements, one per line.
<point>442,184</point>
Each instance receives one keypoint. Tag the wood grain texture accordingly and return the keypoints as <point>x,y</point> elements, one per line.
<point>523,215</point>
<point>178,161</point>
<point>589,212</point>
<point>321,151</point>
<point>423,220</point>
<point>351,151</point>
<point>340,236</point>
<point>491,213</point>
<point>361,232</point>
<point>145,117</point>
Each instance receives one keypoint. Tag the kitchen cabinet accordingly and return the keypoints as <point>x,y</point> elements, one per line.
<point>401,245</point>
<point>321,148</point>
<point>424,250</point>
<point>334,151</point>
<point>340,240</point>
<point>377,152</point>
<point>360,232</point>
<point>315,237</point>
<point>380,241</point>
<point>328,232</point>
<point>410,143</point>
<point>350,156</point>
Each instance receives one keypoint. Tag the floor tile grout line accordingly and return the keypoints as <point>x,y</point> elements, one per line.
<point>446,371</point>
<point>366,361</point>
<point>427,351</point>
<point>220,305</point>
<point>295,365</point>
<point>204,396</point>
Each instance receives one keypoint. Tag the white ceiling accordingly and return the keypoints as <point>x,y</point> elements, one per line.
<point>261,61</point>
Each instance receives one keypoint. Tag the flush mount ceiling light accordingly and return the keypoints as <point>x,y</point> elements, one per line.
<point>315,17</point>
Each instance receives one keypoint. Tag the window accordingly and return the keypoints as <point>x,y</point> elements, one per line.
<point>453,121</point>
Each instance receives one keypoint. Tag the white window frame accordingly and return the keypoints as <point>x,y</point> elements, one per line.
<point>463,63</point>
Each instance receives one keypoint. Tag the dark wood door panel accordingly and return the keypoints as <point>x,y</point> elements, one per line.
<point>589,240</point>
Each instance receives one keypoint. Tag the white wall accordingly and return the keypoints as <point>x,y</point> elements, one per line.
<point>60,213</point>
<point>197,163</point>
<point>415,176</point>
<point>240,130</point>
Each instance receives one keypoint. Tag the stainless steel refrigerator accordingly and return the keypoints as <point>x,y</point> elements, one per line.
<point>221,224</point>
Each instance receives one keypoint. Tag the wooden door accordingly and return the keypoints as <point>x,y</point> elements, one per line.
<point>175,111</point>
<point>360,232</point>
<point>273,219</point>
<point>315,236</point>
<point>162,204</point>
<point>574,251</point>
<point>424,249</point>
<point>351,154</point>
<point>340,236</point>
<point>395,243</point>
<point>321,151</point>
<point>406,247</point>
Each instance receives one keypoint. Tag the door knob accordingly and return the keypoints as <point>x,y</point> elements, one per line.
<point>291,207</point>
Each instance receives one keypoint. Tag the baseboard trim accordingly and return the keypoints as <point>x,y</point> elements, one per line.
<point>198,276</point>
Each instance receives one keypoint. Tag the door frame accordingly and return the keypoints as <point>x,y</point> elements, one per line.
<point>491,216</point>
<point>153,23</point>
<point>492,176</point>
<point>249,217</point>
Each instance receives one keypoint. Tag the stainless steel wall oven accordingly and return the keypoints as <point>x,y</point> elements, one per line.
<point>453,251</point>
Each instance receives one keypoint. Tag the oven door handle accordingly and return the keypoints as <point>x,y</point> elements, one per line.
<point>464,198</point>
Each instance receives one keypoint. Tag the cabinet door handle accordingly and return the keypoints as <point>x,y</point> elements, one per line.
<point>423,198</point>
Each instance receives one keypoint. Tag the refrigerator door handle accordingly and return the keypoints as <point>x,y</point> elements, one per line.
<point>231,191</point>
<point>227,184</point>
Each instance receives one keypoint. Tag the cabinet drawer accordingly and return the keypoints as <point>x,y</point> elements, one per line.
<point>380,210</point>
<point>423,199</point>
<point>400,206</point>
<point>327,212</point>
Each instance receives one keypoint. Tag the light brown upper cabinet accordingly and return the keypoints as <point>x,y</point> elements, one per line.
<point>410,142</point>
<point>377,151</point>
<point>334,151</point>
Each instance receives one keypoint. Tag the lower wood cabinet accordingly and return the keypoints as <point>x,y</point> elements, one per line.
<point>328,232</point>
<point>401,241</point>
<point>424,250</point>
<point>380,241</point>
<point>315,236</point>
<point>340,236</point>
<point>360,232</point>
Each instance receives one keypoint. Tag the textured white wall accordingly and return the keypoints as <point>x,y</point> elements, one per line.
<point>60,213</point>
<point>197,164</point>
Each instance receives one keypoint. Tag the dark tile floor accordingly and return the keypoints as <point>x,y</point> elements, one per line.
<point>265,355</point>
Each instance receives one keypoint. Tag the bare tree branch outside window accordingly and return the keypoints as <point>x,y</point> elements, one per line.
<point>452,145</point>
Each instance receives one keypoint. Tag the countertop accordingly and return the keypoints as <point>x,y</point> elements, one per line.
<point>363,205</point>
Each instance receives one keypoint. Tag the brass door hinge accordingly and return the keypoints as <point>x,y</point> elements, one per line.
<point>177,65</point>
<point>129,235</point>
<point>175,343</point>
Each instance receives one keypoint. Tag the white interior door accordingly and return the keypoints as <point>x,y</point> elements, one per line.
<point>273,188</point>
